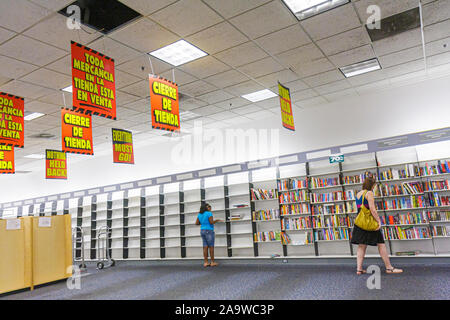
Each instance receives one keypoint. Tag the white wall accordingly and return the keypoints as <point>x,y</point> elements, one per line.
<point>418,107</point>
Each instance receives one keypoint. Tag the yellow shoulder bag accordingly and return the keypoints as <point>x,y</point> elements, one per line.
<point>365,219</point>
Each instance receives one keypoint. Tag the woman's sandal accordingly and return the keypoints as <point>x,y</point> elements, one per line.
<point>360,272</point>
<point>393,270</point>
<point>214,264</point>
<point>206,264</point>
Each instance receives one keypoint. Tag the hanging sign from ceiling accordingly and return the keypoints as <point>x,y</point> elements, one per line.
<point>55,164</point>
<point>122,146</point>
<point>164,104</point>
<point>287,117</point>
<point>11,120</point>
<point>93,82</point>
<point>76,132</point>
<point>7,159</point>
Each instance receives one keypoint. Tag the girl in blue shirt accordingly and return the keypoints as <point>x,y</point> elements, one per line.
<point>205,219</point>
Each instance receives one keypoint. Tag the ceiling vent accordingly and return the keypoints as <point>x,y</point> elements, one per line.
<point>395,24</point>
<point>104,16</point>
<point>42,136</point>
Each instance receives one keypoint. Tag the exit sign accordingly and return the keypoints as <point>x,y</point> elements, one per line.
<point>336,158</point>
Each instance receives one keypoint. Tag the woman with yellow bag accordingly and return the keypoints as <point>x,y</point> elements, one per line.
<point>367,228</point>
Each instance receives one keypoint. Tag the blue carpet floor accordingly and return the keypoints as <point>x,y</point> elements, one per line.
<point>238,281</point>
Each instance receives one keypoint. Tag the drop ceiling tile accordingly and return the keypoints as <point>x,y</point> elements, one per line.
<point>260,115</point>
<point>49,79</point>
<point>233,103</point>
<point>186,17</point>
<point>141,105</point>
<point>272,79</point>
<point>136,35</point>
<point>4,80</point>
<point>12,68</point>
<point>5,35</point>
<point>436,11</point>
<point>261,67</point>
<point>269,103</point>
<point>56,98</point>
<point>25,90</point>
<point>437,31</point>
<point>63,65</point>
<point>215,96</point>
<point>48,120</point>
<point>140,89</point>
<point>314,67</point>
<point>284,40</point>
<point>324,78</point>
<point>141,118</point>
<point>17,15</point>
<point>54,31</point>
<point>204,67</point>
<point>332,87</point>
<point>189,104</point>
<point>119,52</point>
<point>208,110</point>
<point>374,76</point>
<point>196,88</point>
<point>232,8</point>
<point>400,57</point>
<point>265,19</point>
<point>124,79</point>
<point>372,87</point>
<point>398,42</point>
<point>242,54</point>
<point>124,113</point>
<point>140,67</point>
<point>123,98</point>
<point>227,78</point>
<point>30,50</point>
<point>180,77</point>
<point>352,56</point>
<point>331,22</point>
<point>296,85</point>
<point>217,38</point>
<point>303,95</point>
<point>244,88</point>
<point>344,41</point>
<point>54,5</point>
<point>223,115</point>
<point>437,47</point>
<point>404,68</point>
<point>388,7</point>
<point>341,95</point>
<point>438,59</point>
<point>247,109</point>
<point>313,102</point>
<point>300,56</point>
<point>146,7</point>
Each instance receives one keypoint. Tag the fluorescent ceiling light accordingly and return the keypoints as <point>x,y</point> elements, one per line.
<point>35,156</point>
<point>32,115</point>
<point>259,95</point>
<point>178,53</point>
<point>303,9</point>
<point>187,115</point>
<point>360,68</point>
<point>67,89</point>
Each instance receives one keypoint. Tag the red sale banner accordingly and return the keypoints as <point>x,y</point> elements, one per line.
<point>122,146</point>
<point>55,164</point>
<point>287,117</point>
<point>11,120</point>
<point>164,104</point>
<point>93,82</point>
<point>76,129</point>
<point>6,159</point>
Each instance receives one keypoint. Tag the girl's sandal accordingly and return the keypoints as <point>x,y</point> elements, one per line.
<point>393,270</point>
<point>206,264</point>
<point>214,264</point>
<point>360,272</point>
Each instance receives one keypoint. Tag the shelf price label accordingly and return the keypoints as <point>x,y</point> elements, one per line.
<point>287,117</point>
<point>76,132</point>
<point>55,164</point>
<point>122,146</point>
<point>6,159</point>
<point>164,104</point>
<point>335,158</point>
<point>11,120</point>
<point>93,82</point>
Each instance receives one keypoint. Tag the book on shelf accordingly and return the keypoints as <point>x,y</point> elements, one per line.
<point>406,233</point>
<point>316,182</point>
<point>267,236</point>
<point>265,215</point>
<point>331,208</point>
<point>359,178</point>
<point>438,215</point>
<point>331,234</point>
<point>438,201</point>
<point>261,194</point>
<point>327,197</point>
<point>417,201</point>
<point>235,216</point>
<point>408,171</point>
<point>407,253</point>
<point>406,218</point>
<point>299,208</point>
<point>296,223</point>
<point>243,205</point>
<point>292,183</point>
<point>293,196</point>
<point>297,239</point>
<point>437,185</point>
<point>441,167</point>
<point>440,231</point>
<point>330,221</point>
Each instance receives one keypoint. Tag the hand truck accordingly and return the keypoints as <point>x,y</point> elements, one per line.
<point>78,239</point>
<point>103,256</point>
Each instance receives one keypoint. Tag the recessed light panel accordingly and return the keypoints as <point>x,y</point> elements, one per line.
<point>360,68</point>
<point>67,89</point>
<point>259,95</point>
<point>35,156</point>
<point>307,8</point>
<point>28,116</point>
<point>178,53</point>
